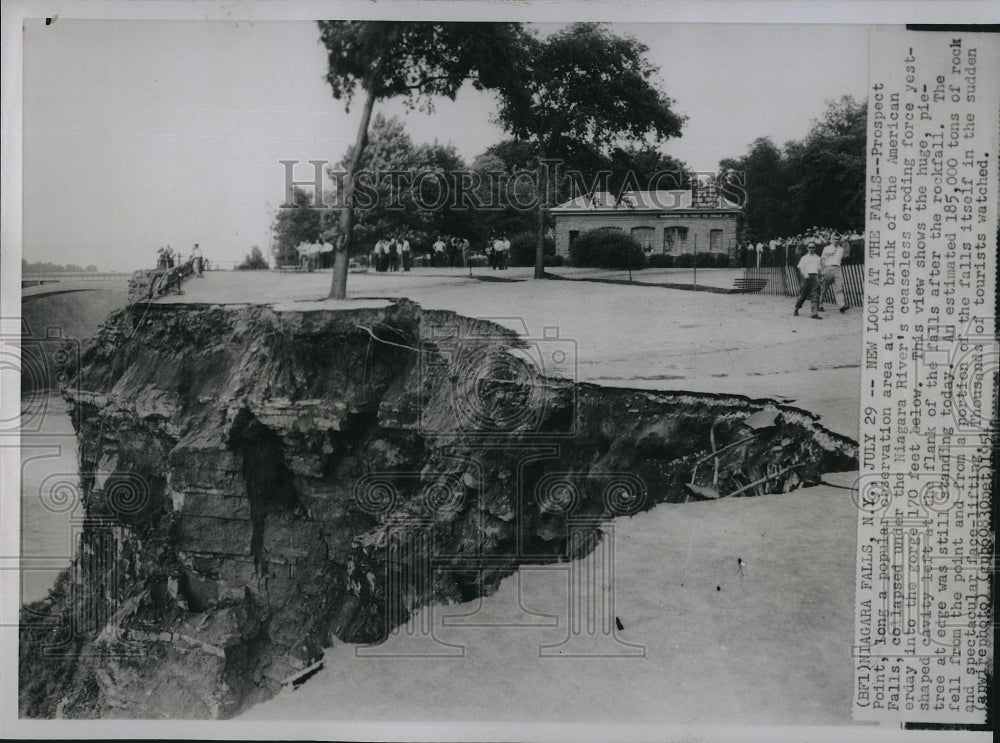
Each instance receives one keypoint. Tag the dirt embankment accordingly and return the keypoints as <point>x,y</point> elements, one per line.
<point>258,483</point>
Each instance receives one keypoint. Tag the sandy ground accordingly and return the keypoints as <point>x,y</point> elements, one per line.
<point>766,644</point>
<point>711,643</point>
<point>629,336</point>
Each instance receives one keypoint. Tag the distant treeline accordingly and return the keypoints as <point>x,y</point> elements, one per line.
<point>817,182</point>
<point>43,267</point>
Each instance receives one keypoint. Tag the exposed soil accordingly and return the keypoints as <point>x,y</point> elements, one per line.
<point>259,482</point>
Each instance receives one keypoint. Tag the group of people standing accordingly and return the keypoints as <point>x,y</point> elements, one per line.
<point>498,252</point>
<point>445,252</point>
<point>167,258</point>
<point>453,253</point>
<point>389,254</point>
<point>395,252</point>
<point>819,272</point>
<point>784,251</point>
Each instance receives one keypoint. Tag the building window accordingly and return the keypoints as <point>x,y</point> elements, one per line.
<point>675,239</point>
<point>573,234</point>
<point>715,241</point>
<point>644,236</point>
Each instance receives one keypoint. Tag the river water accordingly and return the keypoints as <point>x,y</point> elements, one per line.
<point>51,512</point>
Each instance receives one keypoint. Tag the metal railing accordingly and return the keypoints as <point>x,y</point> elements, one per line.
<point>32,279</point>
<point>167,279</point>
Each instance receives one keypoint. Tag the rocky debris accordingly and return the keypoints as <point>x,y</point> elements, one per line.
<point>259,484</point>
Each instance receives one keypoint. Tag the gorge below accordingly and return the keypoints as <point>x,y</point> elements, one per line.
<point>259,482</point>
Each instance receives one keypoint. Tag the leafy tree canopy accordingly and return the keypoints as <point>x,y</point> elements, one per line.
<point>579,93</point>
<point>417,60</point>
<point>414,61</point>
<point>584,90</point>
<point>292,227</point>
<point>412,207</point>
<point>817,181</point>
<point>254,261</point>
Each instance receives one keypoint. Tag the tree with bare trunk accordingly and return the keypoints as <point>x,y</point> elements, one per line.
<point>582,92</point>
<point>415,61</point>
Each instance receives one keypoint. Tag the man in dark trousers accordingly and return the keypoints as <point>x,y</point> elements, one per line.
<point>394,254</point>
<point>809,269</point>
<point>196,258</point>
<point>404,252</point>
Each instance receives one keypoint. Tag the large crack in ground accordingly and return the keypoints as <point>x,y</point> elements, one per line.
<point>307,476</point>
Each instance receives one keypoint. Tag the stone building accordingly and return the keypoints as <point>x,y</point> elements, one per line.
<point>664,222</point>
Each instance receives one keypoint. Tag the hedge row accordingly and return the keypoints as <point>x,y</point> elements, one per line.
<point>523,246</point>
<point>606,248</point>
<point>687,260</point>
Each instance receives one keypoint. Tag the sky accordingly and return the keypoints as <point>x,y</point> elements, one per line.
<point>138,134</point>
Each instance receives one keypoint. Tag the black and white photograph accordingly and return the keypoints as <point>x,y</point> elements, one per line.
<point>482,371</point>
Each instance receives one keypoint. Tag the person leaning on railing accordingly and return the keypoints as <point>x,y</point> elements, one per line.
<point>197,261</point>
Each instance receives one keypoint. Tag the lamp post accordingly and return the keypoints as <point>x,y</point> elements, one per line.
<point>695,260</point>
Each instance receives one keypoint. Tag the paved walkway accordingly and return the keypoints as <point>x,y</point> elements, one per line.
<point>766,644</point>
<point>626,335</point>
<point>704,279</point>
<point>760,644</point>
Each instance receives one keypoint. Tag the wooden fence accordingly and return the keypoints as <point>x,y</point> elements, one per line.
<point>783,281</point>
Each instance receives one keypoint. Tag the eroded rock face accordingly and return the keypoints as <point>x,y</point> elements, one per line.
<point>259,483</point>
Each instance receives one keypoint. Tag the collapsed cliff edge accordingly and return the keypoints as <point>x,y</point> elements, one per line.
<point>252,478</point>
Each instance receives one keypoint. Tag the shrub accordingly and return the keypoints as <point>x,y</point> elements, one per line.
<point>705,260</point>
<point>553,260</point>
<point>522,249</point>
<point>606,248</point>
<point>660,260</point>
<point>254,261</point>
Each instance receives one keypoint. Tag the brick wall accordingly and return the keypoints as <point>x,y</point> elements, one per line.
<point>699,227</point>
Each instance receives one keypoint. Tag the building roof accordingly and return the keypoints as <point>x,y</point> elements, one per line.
<point>638,201</point>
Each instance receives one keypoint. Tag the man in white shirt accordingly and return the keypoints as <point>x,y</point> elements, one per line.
<point>196,257</point>
<point>438,258</point>
<point>404,253</point>
<point>809,268</point>
<point>497,253</point>
<point>833,255</point>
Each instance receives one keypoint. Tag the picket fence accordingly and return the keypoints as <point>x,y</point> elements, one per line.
<point>783,281</point>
